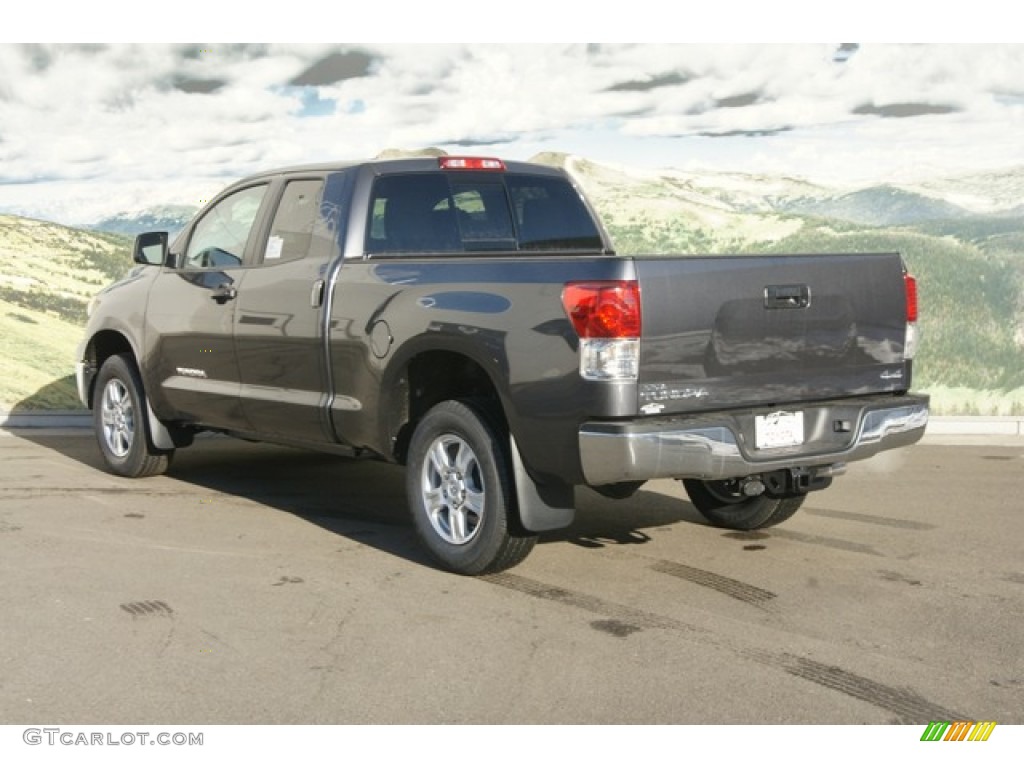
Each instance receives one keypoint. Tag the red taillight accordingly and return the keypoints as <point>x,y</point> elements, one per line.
<point>608,309</point>
<point>470,163</point>
<point>911,286</point>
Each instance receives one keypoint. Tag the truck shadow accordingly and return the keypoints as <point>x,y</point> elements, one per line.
<point>602,522</point>
<point>360,500</point>
<point>59,394</point>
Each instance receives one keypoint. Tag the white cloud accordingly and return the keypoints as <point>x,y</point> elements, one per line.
<point>157,117</point>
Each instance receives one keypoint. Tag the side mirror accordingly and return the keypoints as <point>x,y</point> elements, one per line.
<point>150,248</point>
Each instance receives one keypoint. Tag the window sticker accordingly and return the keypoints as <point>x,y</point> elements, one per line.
<point>274,246</point>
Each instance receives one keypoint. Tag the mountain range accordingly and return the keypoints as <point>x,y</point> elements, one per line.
<point>962,237</point>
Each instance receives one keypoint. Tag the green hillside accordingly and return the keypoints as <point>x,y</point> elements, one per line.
<point>970,271</point>
<point>48,274</point>
<point>970,300</point>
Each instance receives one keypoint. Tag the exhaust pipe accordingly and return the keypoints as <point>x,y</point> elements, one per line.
<point>833,470</point>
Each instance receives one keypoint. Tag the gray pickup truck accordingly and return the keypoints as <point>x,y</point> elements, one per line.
<point>469,318</point>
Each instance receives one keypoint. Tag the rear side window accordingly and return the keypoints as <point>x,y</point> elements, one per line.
<point>294,233</point>
<point>458,213</point>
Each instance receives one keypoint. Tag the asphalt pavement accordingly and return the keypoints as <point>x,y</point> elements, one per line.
<point>258,584</point>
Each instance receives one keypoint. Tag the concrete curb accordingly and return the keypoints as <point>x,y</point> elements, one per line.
<point>1008,426</point>
<point>45,419</point>
<point>994,426</point>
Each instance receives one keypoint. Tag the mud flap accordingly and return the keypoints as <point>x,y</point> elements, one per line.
<point>541,507</point>
<point>159,436</point>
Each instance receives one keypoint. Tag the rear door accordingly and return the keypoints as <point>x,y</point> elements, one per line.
<point>278,322</point>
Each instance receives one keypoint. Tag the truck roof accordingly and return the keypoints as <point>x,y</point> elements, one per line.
<point>396,165</point>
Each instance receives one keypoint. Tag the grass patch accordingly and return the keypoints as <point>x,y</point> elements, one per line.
<point>37,350</point>
<point>961,401</point>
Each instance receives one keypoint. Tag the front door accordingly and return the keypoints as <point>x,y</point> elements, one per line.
<point>191,315</point>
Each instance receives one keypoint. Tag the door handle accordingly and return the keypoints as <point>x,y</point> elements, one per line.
<point>316,296</point>
<point>224,293</point>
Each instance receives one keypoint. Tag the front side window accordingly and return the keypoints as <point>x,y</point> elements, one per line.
<point>219,238</point>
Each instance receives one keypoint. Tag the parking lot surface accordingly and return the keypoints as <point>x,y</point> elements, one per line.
<point>258,584</point>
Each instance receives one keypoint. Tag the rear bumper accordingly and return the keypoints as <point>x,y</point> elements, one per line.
<point>715,446</point>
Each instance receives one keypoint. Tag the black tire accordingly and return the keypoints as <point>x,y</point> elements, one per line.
<point>119,416</point>
<point>618,490</point>
<point>724,505</point>
<point>460,491</point>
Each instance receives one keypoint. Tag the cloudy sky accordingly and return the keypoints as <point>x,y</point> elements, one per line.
<point>87,130</point>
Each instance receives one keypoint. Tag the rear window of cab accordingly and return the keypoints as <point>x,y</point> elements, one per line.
<point>438,212</point>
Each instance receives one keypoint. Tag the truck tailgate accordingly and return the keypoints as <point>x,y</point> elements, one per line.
<point>735,331</point>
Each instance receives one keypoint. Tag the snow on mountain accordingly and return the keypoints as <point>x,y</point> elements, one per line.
<point>167,218</point>
<point>676,211</point>
<point>989,193</point>
<point>720,209</point>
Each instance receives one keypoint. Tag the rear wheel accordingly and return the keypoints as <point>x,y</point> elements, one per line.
<point>724,504</point>
<point>460,491</point>
<point>119,413</point>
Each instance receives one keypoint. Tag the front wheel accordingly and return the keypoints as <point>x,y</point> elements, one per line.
<point>119,420</point>
<point>460,491</point>
<point>724,504</point>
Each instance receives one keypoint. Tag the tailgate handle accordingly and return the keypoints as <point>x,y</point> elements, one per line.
<point>787,296</point>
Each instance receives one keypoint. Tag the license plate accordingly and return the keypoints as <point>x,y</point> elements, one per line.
<point>779,430</point>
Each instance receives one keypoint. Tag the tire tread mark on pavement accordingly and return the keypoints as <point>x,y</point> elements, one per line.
<point>148,608</point>
<point>908,706</point>
<point>739,590</point>
<point>860,517</point>
<point>825,541</point>
<point>589,603</point>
